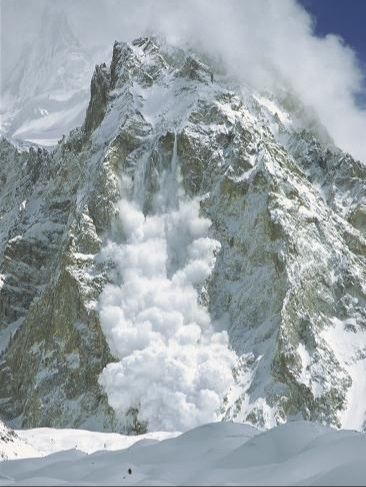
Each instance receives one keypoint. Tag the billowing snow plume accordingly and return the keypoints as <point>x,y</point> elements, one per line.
<point>174,368</point>
<point>270,44</point>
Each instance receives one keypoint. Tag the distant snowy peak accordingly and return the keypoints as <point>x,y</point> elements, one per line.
<point>55,60</point>
<point>56,29</point>
<point>48,90</point>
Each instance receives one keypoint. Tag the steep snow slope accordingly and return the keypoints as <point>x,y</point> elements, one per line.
<point>47,93</point>
<point>297,453</point>
<point>283,273</point>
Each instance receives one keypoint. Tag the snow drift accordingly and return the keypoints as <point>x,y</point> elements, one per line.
<point>297,453</point>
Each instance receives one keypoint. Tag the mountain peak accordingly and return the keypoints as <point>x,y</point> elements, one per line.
<point>224,219</point>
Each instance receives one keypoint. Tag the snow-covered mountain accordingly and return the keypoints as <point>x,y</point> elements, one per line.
<point>47,92</point>
<point>189,228</point>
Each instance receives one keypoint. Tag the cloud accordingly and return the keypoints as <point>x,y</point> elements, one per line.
<point>269,44</point>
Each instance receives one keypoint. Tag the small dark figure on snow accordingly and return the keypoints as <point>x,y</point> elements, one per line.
<point>212,78</point>
<point>129,471</point>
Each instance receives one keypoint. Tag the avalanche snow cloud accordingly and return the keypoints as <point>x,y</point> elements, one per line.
<point>267,43</point>
<point>174,368</point>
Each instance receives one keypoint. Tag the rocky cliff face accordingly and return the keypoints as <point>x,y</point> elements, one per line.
<point>52,345</point>
<point>288,211</point>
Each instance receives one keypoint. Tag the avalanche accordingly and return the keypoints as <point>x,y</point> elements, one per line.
<point>174,368</point>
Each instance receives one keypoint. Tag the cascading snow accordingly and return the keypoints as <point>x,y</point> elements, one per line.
<point>173,368</point>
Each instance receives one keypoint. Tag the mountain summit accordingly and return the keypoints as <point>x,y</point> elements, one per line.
<point>191,251</point>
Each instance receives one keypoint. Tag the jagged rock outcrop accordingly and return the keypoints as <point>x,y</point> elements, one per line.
<point>99,89</point>
<point>288,211</point>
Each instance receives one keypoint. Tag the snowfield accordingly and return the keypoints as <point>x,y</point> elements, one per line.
<point>297,453</point>
<point>50,440</point>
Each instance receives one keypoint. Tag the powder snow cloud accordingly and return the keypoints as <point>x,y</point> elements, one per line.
<point>173,367</point>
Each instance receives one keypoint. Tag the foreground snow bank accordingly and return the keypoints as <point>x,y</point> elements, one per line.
<point>216,454</point>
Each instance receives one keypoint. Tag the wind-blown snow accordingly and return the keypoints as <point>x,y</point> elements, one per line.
<point>297,453</point>
<point>270,44</point>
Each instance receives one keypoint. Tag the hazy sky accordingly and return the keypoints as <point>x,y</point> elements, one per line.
<point>271,44</point>
<point>102,21</point>
<point>94,22</point>
<point>90,19</point>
